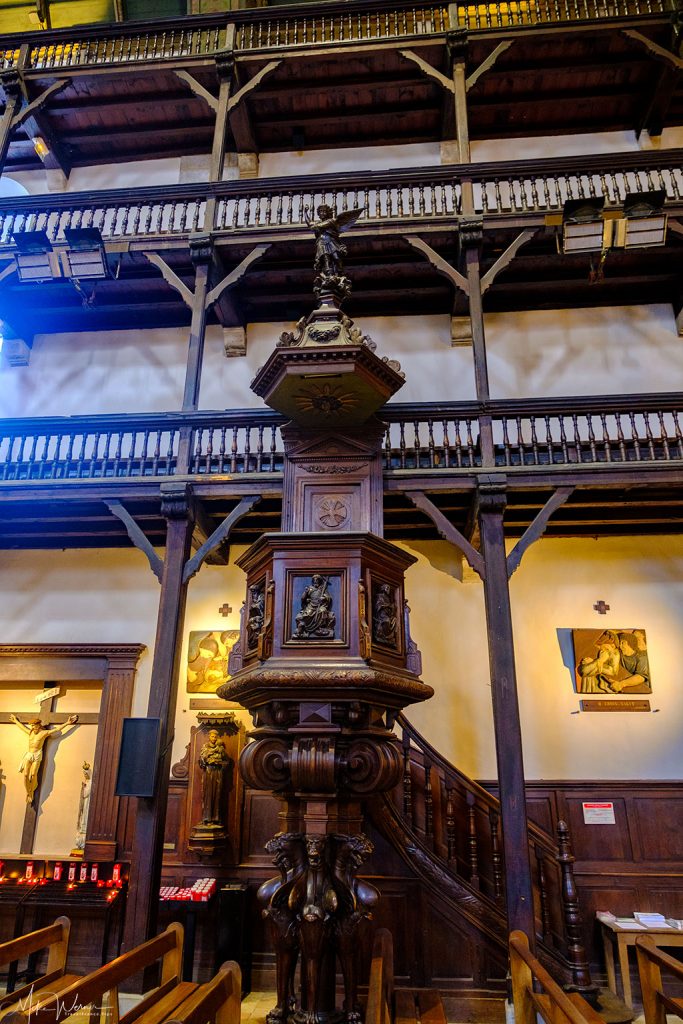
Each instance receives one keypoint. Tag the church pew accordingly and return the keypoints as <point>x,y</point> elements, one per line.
<point>553,1005</point>
<point>220,1000</point>
<point>101,986</point>
<point>656,1002</point>
<point>381,983</point>
<point>55,939</point>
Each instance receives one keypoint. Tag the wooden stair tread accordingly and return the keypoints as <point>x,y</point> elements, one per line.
<point>431,1006</point>
<point>415,1005</point>
<point>405,1010</point>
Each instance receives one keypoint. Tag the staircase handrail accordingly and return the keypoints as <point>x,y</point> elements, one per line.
<point>538,834</point>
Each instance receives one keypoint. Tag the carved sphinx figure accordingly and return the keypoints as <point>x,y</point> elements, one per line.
<point>315,900</point>
<point>356,900</point>
<point>288,856</point>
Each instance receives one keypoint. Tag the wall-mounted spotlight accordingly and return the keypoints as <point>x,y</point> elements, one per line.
<point>588,227</point>
<point>644,219</point>
<point>35,259</point>
<point>582,225</point>
<point>85,258</point>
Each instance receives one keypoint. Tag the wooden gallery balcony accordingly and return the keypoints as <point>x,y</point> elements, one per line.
<point>400,251</point>
<point>371,73</point>
<point>620,458</point>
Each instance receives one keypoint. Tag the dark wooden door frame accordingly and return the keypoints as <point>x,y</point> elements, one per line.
<point>115,665</point>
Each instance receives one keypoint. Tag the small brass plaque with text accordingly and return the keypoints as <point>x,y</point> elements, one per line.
<point>615,705</point>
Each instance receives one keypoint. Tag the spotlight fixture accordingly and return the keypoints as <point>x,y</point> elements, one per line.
<point>85,258</point>
<point>644,219</point>
<point>583,227</point>
<point>35,259</point>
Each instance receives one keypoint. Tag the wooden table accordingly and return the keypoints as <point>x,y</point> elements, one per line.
<point>623,936</point>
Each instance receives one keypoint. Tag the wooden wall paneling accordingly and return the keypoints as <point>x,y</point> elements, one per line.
<point>542,810</point>
<point>175,833</point>
<point>260,822</point>
<point>104,832</point>
<point>659,826</point>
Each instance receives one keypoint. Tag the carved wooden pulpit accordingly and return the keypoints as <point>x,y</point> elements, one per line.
<point>324,662</point>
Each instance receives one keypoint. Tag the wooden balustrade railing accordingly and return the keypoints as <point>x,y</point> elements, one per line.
<point>429,195</point>
<point>129,447</point>
<point>459,821</point>
<point>298,26</point>
<point>614,430</point>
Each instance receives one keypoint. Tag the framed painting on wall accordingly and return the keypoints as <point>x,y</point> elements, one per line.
<point>207,659</point>
<point>611,661</point>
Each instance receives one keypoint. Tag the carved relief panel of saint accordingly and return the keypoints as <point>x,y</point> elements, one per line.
<point>316,607</point>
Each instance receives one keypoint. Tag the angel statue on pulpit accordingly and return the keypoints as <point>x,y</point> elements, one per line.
<point>329,249</point>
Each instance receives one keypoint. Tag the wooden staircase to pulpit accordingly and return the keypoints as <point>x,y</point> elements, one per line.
<point>447,829</point>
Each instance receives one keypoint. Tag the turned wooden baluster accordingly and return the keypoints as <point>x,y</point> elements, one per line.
<point>576,952</point>
<point>472,848</point>
<point>496,858</point>
<point>407,782</point>
<point>450,825</point>
<point>429,806</point>
<point>543,893</point>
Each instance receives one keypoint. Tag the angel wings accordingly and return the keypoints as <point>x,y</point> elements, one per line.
<point>328,248</point>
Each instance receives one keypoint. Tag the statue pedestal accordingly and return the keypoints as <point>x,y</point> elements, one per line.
<point>208,839</point>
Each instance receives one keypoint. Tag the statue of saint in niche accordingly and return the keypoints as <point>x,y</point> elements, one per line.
<point>316,619</point>
<point>38,734</point>
<point>213,761</point>
<point>257,601</point>
<point>329,249</point>
<point>384,616</point>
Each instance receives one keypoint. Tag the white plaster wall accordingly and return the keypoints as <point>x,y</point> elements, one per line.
<point>105,596</point>
<point>595,351</point>
<point>609,350</point>
<point>556,586</point>
<point>81,596</point>
<point>580,144</point>
<point>106,372</point>
<point>172,170</point>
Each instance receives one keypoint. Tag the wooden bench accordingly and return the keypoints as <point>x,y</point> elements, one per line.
<point>651,961</point>
<point>101,987</point>
<point>402,1005</point>
<point>381,984</point>
<point>55,939</point>
<point>553,1004</point>
<point>220,1000</point>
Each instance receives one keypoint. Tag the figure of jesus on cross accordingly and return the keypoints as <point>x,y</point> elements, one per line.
<point>32,759</point>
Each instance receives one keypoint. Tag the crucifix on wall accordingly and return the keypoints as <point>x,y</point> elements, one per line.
<point>37,728</point>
